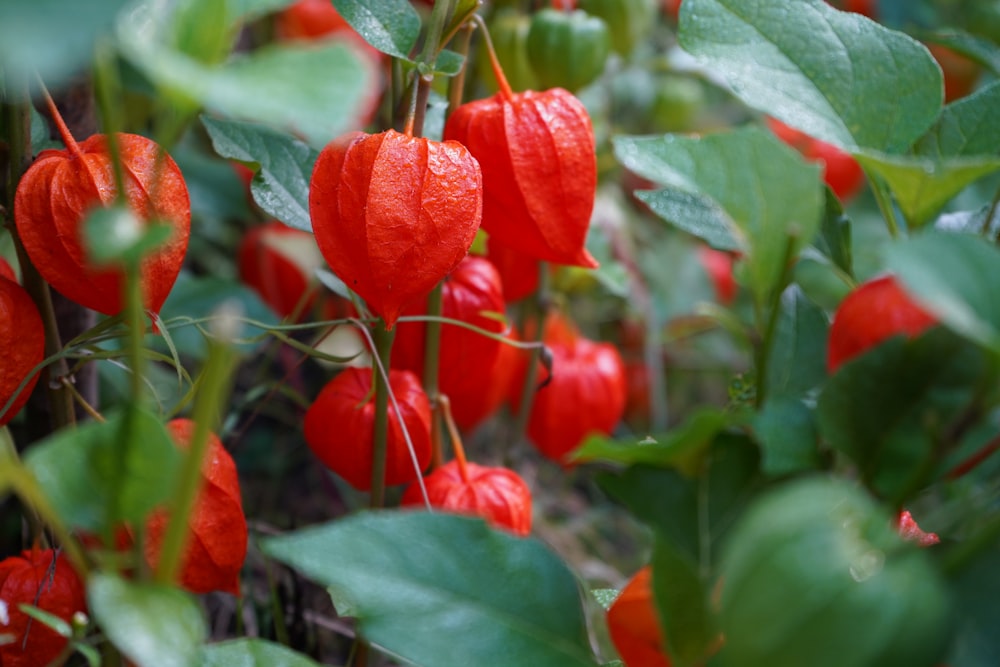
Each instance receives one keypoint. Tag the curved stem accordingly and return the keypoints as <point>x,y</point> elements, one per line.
<point>383,350</point>
<point>456,439</point>
<point>64,133</point>
<point>537,313</point>
<point>432,362</point>
<point>502,84</point>
<point>884,202</point>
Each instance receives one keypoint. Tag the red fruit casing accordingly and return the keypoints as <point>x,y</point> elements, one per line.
<point>537,153</point>
<point>61,187</point>
<point>518,272</point>
<point>42,579</point>
<point>840,170</point>
<point>279,263</point>
<point>499,495</point>
<point>873,312</point>
<point>466,357</point>
<point>217,543</point>
<point>394,214</point>
<point>22,339</point>
<point>634,624</point>
<point>339,427</point>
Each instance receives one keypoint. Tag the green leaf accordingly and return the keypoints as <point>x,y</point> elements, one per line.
<point>834,238</point>
<point>977,599</point>
<point>281,187</point>
<point>797,362</point>
<point>198,298</point>
<point>202,29</point>
<point>834,75</point>
<point>682,595</point>
<point>967,127</point>
<point>692,514</point>
<point>445,590</point>
<point>251,653</point>
<point>770,194</point>
<point>786,430</point>
<point>151,624</point>
<point>682,447</point>
<point>53,37</point>
<point>94,481</point>
<point>449,63</point>
<point>693,213</point>
<point>980,49</point>
<point>837,586</point>
<point>315,90</point>
<point>955,276</point>
<point>921,185</point>
<point>391,26</point>
<point>891,407</point>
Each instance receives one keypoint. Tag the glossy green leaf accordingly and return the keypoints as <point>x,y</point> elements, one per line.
<point>80,469</point>
<point>251,653</point>
<point>682,591</point>
<point>197,299</point>
<point>889,408</point>
<point>785,429</point>
<point>317,91</point>
<point>693,213</point>
<point>445,590</point>
<point>52,37</point>
<point>834,75</point>
<point>281,187</point>
<point>921,185</point>
<point>682,447</point>
<point>150,624</point>
<point>955,276</point>
<point>837,586</point>
<point>692,513</point>
<point>834,238</point>
<point>770,194</point>
<point>967,127</point>
<point>449,63</point>
<point>391,26</point>
<point>797,362</point>
<point>977,601</point>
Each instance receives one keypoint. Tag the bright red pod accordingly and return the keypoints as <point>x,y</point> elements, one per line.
<point>339,427</point>
<point>22,339</point>
<point>634,624</point>
<point>840,170</point>
<point>585,393</point>
<point>42,579</point>
<point>279,263</point>
<point>217,543</point>
<point>394,214</point>
<point>873,312</point>
<point>719,267</point>
<point>62,186</point>
<point>497,494</point>
<point>466,357</point>
<point>537,153</point>
<point>518,272</point>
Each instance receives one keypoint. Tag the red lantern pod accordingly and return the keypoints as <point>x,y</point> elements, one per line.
<point>394,214</point>
<point>634,624</point>
<point>339,427</point>
<point>873,312</point>
<point>217,544</point>
<point>22,339</point>
<point>585,392</point>
<point>840,170</point>
<point>466,357</point>
<point>7,271</point>
<point>719,267</point>
<point>537,153</point>
<point>518,272</point>
<point>42,579</point>
<point>61,187</point>
<point>279,263</point>
<point>497,494</point>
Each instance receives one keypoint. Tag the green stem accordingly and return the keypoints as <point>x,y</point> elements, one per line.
<point>456,86</point>
<point>432,362</point>
<point>766,343</point>
<point>442,11</point>
<point>383,350</point>
<point>108,93</point>
<point>537,311</point>
<point>18,130</point>
<point>214,383</point>
<point>884,201</point>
